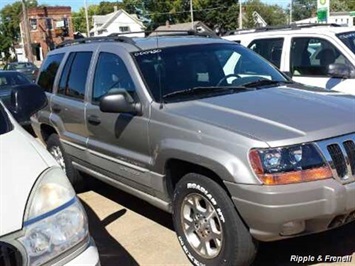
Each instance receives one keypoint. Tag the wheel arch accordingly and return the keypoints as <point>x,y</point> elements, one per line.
<point>46,131</point>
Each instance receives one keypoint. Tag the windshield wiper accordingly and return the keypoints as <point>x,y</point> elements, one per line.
<point>203,90</point>
<point>265,82</point>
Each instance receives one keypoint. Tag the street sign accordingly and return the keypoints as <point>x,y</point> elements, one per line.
<point>323,10</point>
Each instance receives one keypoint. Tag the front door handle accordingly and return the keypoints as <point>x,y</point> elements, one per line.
<point>56,108</point>
<point>94,120</point>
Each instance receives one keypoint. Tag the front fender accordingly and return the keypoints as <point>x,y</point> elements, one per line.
<point>226,165</point>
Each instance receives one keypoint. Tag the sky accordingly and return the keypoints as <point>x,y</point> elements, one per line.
<point>76,4</point>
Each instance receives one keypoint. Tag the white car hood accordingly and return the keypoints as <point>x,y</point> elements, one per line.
<point>22,160</point>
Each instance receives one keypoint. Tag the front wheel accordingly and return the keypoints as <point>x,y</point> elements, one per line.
<point>55,148</point>
<point>208,227</point>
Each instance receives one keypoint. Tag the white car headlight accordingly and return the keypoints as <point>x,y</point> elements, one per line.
<point>54,220</point>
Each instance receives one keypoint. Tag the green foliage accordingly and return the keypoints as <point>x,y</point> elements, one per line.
<point>272,14</point>
<point>10,16</point>
<point>302,9</point>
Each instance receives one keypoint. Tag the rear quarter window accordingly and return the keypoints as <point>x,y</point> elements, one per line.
<point>49,71</point>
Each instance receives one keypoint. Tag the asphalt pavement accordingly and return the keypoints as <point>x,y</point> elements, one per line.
<point>129,231</point>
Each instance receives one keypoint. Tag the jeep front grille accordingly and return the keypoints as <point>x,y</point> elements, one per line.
<point>350,150</point>
<point>338,159</point>
<point>9,255</point>
<point>340,155</point>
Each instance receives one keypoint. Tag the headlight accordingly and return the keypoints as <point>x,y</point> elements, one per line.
<point>287,165</point>
<point>54,218</point>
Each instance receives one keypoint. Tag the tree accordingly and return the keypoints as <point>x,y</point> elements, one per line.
<point>79,18</point>
<point>303,9</point>
<point>10,16</point>
<point>272,14</point>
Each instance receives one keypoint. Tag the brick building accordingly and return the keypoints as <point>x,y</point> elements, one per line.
<point>49,26</point>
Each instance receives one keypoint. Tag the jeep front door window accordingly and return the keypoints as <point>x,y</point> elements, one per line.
<point>111,74</point>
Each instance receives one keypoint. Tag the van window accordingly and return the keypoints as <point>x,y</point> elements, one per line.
<point>270,49</point>
<point>73,80</point>
<point>312,56</point>
<point>49,71</point>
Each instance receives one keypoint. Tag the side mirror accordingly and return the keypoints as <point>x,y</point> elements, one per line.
<point>339,71</point>
<point>119,101</point>
<point>25,101</point>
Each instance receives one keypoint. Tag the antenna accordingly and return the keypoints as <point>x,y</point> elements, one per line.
<point>158,71</point>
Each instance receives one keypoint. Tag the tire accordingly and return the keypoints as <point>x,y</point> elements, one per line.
<point>55,148</point>
<point>220,239</point>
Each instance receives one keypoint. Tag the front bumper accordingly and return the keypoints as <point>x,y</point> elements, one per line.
<point>313,207</point>
<point>89,257</point>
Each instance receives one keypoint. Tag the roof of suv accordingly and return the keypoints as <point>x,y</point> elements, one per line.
<point>326,30</point>
<point>147,43</point>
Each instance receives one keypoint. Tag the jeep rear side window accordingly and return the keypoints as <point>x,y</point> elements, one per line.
<point>312,56</point>
<point>73,80</point>
<point>110,74</point>
<point>270,49</point>
<point>49,71</point>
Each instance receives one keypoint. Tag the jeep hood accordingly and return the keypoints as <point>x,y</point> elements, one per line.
<point>21,163</point>
<point>278,116</point>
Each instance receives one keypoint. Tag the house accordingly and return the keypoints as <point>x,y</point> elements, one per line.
<point>342,18</point>
<point>49,26</point>
<point>196,26</point>
<point>118,21</point>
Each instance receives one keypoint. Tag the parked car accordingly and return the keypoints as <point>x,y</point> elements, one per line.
<point>41,219</point>
<point>205,129</point>
<point>8,80</point>
<point>27,68</point>
<point>314,54</point>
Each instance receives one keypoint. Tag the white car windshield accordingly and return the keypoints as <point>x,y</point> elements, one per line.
<point>5,124</point>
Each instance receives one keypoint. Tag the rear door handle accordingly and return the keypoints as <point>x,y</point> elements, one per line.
<point>56,108</point>
<point>94,120</point>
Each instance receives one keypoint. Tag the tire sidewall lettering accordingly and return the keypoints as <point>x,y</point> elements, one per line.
<point>208,195</point>
<point>188,254</point>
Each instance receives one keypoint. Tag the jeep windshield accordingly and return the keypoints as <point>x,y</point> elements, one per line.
<point>199,71</point>
<point>348,38</point>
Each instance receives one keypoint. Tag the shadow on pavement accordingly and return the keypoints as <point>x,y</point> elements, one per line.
<point>133,203</point>
<point>110,250</point>
<point>337,242</point>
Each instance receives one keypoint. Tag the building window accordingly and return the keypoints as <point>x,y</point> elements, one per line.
<point>124,29</point>
<point>33,24</point>
<point>49,24</point>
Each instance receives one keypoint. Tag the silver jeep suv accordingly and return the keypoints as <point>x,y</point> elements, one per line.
<point>207,130</point>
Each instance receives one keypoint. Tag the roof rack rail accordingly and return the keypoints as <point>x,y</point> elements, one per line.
<point>292,26</point>
<point>120,37</point>
<point>164,33</point>
<point>124,39</point>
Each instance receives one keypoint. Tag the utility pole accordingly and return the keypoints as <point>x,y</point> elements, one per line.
<point>87,19</point>
<point>240,15</point>
<point>291,4</point>
<point>27,32</point>
<point>192,15</point>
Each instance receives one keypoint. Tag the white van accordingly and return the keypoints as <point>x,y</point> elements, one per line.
<point>316,54</point>
<point>41,219</point>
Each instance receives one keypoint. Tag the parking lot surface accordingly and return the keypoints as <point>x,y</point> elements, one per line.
<point>129,231</point>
